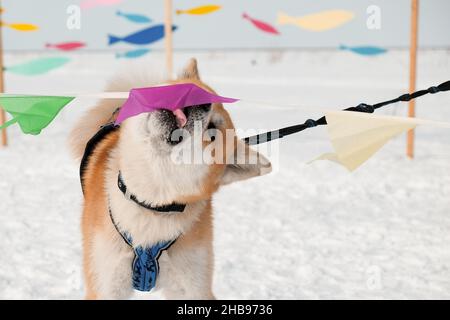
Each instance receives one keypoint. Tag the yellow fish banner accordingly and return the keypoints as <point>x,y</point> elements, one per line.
<point>200,10</point>
<point>357,136</point>
<point>20,26</point>
<point>320,21</point>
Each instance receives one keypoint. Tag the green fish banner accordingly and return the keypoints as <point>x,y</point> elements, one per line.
<point>38,66</point>
<point>32,113</point>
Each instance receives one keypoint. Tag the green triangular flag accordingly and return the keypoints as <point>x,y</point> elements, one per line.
<point>33,113</point>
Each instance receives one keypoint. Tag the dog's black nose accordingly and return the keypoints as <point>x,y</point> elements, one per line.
<point>175,137</point>
<point>205,107</point>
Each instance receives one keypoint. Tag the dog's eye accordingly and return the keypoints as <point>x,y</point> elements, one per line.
<point>212,131</point>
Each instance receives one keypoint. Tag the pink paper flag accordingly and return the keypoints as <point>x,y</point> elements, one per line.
<point>171,97</point>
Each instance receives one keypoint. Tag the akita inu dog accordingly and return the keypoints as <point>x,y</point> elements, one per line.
<point>147,219</point>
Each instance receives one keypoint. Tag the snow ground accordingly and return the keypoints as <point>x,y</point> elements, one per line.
<point>303,232</point>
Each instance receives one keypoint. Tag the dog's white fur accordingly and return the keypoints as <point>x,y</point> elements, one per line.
<point>185,270</point>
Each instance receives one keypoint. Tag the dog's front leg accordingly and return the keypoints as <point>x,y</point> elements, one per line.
<point>110,268</point>
<point>186,272</point>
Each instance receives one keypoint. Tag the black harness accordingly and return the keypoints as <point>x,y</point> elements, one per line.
<point>145,265</point>
<point>92,144</point>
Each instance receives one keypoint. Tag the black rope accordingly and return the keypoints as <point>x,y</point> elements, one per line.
<point>366,108</point>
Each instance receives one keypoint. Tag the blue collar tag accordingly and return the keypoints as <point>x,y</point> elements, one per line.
<point>145,267</point>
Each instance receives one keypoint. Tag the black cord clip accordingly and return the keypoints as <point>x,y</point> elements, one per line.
<point>433,90</point>
<point>366,108</point>
<point>311,123</point>
<point>405,97</point>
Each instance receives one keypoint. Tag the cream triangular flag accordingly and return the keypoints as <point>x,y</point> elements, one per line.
<point>357,136</point>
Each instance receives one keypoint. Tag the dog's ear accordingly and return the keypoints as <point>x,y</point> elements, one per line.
<point>245,163</point>
<point>190,71</point>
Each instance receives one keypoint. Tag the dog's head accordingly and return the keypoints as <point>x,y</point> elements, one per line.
<point>185,156</point>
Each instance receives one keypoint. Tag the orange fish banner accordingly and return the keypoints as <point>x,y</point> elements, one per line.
<point>200,10</point>
<point>321,21</point>
<point>24,27</point>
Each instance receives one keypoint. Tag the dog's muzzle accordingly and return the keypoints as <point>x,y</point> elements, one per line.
<point>177,123</point>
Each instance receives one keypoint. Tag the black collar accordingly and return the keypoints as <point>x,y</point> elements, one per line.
<point>166,208</point>
<point>89,150</point>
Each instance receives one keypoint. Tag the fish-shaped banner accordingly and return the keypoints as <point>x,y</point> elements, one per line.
<point>32,113</point>
<point>364,50</point>
<point>200,10</point>
<point>23,27</point>
<point>89,4</point>
<point>261,25</point>
<point>142,37</point>
<point>320,21</point>
<point>38,66</point>
<point>133,54</point>
<point>171,97</point>
<point>357,136</point>
<point>134,17</point>
<point>66,46</point>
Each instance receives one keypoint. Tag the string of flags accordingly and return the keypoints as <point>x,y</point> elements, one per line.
<point>355,142</point>
<point>355,136</point>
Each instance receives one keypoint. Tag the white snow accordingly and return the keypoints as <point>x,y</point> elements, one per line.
<point>303,232</point>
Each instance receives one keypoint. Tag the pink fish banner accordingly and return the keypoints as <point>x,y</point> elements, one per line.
<point>261,25</point>
<point>66,46</point>
<point>90,4</point>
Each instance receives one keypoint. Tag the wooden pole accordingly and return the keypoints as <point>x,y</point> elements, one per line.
<point>4,134</point>
<point>412,73</point>
<point>168,8</point>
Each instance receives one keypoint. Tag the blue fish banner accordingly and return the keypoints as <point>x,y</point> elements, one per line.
<point>133,54</point>
<point>142,37</point>
<point>364,50</point>
<point>136,18</point>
